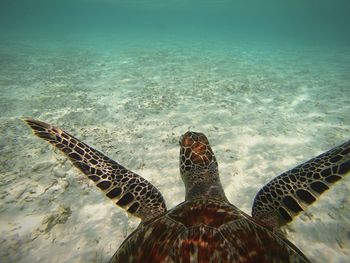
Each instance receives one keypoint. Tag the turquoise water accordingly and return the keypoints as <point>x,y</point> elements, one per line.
<point>213,21</point>
<point>267,82</point>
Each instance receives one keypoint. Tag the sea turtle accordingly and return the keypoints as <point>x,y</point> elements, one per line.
<point>206,227</point>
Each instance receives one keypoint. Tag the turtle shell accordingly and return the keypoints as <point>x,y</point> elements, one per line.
<point>206,231</point>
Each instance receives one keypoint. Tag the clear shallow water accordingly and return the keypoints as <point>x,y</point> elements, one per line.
<point>207,20</point>
<point>130,78</point>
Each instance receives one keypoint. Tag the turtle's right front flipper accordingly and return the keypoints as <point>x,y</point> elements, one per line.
<point>130,191</point>
<point>291,192</point>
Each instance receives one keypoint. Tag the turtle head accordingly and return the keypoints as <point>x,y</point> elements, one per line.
<point>198,166</point>
<point>196,155</point>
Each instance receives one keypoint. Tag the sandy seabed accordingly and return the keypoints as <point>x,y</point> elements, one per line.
<point>264,110</point>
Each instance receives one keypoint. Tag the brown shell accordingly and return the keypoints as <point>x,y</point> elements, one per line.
<point>206,231</point>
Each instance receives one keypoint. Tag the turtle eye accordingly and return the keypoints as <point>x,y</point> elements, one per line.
<point>180,140</point>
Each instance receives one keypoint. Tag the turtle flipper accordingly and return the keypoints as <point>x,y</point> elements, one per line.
<point>130,191</point>
<point>291,192</point>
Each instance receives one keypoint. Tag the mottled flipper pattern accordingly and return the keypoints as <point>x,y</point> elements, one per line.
<point>291,192</point>
<point>129,190</point>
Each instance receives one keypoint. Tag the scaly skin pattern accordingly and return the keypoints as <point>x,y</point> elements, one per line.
<point>127,189</point>
<point>292,192</point>
<point>199,168</point>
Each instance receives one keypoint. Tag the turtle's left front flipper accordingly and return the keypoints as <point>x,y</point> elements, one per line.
<point>129,190</point>
<point>291,192</point>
